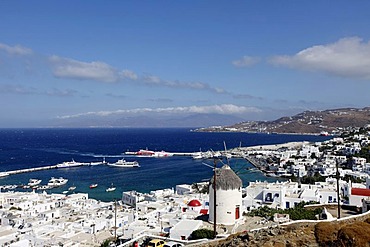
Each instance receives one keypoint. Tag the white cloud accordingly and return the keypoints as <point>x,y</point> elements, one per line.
<point>17,89</point>
<point>128,74</point>
<point>63,67</point>
<point>155,80</point>
<point>15,50</point>
<point>348,57</point>
<point>22,90</point>
<point>69,68</point>
<point>102,72</point>
<point>245,61</point>
<point>151,79</point>
<point>227,109</point>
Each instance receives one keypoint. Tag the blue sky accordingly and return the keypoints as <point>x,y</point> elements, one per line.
<point>258,60</point>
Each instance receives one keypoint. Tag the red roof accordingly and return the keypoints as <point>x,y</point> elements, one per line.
<point>360,192</point>
<point>203,211</point>
<point>194,203</point>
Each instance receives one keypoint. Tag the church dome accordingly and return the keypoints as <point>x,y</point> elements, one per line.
<point>194,203</point>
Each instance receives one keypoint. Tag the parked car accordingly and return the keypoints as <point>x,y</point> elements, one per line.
<point>156,243</point>
<point>173,244</point>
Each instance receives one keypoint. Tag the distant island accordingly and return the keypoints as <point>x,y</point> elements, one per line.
<point>327,122</point>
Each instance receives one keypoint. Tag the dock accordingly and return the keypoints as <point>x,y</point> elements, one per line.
<point>6,173</point>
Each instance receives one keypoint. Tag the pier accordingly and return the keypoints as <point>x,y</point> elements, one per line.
<point>6,173</point>
<point>255,162</point>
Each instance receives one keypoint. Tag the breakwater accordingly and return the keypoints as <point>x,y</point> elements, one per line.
<point>7,173</point>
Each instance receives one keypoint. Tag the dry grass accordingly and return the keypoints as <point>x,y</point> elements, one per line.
<point>355,234</point>
<point>326,232</point>
<point>334,234</point>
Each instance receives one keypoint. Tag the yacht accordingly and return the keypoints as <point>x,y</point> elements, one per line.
<point>34,182</point>
<point>68,164</point>
<point>124,163</point>
<point>56,182</point>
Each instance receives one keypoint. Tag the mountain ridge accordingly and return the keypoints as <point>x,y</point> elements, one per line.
<point>332,121</point>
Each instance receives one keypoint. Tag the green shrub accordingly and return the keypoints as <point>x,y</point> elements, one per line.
<point>202,233</point>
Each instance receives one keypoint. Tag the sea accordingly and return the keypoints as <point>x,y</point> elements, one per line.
<point>28,148</point>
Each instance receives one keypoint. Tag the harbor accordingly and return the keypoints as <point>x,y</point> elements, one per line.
<point>141,153</point>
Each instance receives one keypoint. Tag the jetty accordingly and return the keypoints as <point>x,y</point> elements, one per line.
<point>34,169</point>
<point>256,163</point>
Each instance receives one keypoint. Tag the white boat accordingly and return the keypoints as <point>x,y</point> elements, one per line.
<point>34,182</point>
<point>206,155</point>
<point>95,163</point>
<point>56,182</point>
<point>72,188</point>
<point>44,187</point>
<point>124,163</point>
<point>67,164</point>
<point>111,188</point>
<point>93,186</point>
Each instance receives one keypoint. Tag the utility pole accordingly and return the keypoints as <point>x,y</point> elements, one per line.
<point>115,220</point>
<point>214,198</point>
<point>338,199</point>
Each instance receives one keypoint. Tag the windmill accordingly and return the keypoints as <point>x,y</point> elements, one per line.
<point>225,194</point>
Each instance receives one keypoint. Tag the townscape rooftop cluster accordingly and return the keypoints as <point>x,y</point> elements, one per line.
<point>41,219</point>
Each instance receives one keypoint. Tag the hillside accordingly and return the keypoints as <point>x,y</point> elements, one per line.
<point>313,122</point>
<point>351,232</point>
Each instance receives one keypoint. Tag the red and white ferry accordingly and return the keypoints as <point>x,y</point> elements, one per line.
<point>150,153</point>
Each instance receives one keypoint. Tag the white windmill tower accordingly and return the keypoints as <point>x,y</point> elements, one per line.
<point>225,196</point>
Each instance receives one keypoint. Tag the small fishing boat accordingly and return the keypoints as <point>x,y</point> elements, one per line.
<point>72,188</point>
<point>111,188</point>
<point>92,186</point>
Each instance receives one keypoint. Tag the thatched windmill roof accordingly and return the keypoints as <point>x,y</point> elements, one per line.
<point>226,179</point>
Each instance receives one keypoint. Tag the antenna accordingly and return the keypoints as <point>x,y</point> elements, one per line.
<point>214,198</point>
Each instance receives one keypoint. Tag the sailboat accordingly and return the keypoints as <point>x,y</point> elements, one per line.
<point>111,188</point>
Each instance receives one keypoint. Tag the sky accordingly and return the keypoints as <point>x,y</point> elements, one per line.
<point>258,60</point>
